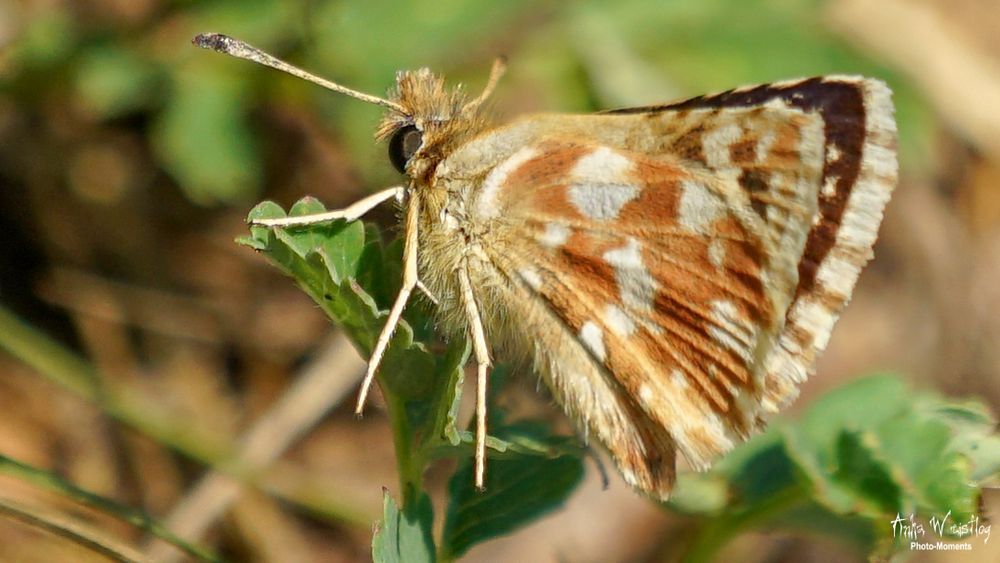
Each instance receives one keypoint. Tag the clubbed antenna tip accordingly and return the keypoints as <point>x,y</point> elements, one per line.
<point>213,41</point>
<point>236,48</point>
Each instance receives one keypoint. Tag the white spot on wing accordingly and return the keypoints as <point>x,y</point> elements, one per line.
<point>815,319</point>
<point>699,207</point>
<point>593,339</point>
<point>778,103</point>
<point>764,146</point>
<point>817,218</point>
<point>531,277</point>
<point>678,380</point>
<point>601,201</point>
<point>488,206</point>
<point>645,393</point>
<point>730,329</point>
<point>832,153</point>
<point>555,235</point>
<point>637,286</point>
<point>717,253</point>
<point>618,321</point>
<point>602,185</point>
<point>830,186</point>
<point>716,143</point>
<point>602,165</point>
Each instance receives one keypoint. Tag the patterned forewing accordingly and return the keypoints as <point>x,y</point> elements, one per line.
<point>679,267</point>
<point>661,268</point>
<point>859,172</point>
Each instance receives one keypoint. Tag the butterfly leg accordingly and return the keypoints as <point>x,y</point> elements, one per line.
<point>427,292</point>
<point>482,366</point>
<point>350,213</point>
<point>409,282</point>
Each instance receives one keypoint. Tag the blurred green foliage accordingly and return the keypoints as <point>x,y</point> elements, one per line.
<point>860,457</point>
<point>197,109</point>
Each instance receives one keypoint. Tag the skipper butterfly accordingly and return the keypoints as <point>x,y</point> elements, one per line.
<point>671,272</point>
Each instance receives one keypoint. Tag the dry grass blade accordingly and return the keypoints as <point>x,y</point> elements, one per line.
<point>322,385</point>
<point>77,532</point>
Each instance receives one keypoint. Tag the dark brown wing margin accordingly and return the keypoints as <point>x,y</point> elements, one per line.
<point>842,106</point>
<point>859,173</point>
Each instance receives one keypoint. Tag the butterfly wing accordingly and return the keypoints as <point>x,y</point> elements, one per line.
<point>673,271</point>
<point>860,170</point>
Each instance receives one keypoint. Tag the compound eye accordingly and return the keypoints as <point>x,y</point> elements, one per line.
<point>403,145</point>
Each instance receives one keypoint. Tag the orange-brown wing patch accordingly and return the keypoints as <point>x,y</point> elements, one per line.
<point>694,256</point>
<point>661,284</point>
<point>859,172</point>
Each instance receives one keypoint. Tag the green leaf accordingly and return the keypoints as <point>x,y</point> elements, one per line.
<point>935,476</point>
<point>202,136</point>
<point>763,474</point>
<point>875,445</point>
<point>861,466</point>
<point>860,455</point>
<point>112,80</point>
<point>974,430</point>
<point>336,266</point>
<point>322,258</point>
<point>863,403</point>
<point>436,417</point>
<point>339,243</point>
<point>404,536</point>
<point>699,494</point>
<point>814,518</point>
<point>519,489</point>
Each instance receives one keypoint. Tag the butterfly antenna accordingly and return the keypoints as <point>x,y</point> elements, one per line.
<point>499,67</point>
<point>236,48</point>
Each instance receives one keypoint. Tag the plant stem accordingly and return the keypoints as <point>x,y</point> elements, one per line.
<point>71,372</point>
<point>408,463</point>
<point>76,375</point>
<point>51,482</point>
<point>82,534</point>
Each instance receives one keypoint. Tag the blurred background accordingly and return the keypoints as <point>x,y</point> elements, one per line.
<point>129,159</point>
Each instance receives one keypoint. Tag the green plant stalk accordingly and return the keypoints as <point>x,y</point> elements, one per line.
<point>48,481</point>
<point>409,464</point>
<point>83,535</point>
<point>74,374</point>
<point>69,371</point>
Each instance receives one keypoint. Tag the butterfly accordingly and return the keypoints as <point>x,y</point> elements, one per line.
<point>671,272</point>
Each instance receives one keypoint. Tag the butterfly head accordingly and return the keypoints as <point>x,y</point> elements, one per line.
<point>424,120</point>
<point>430,119</point>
